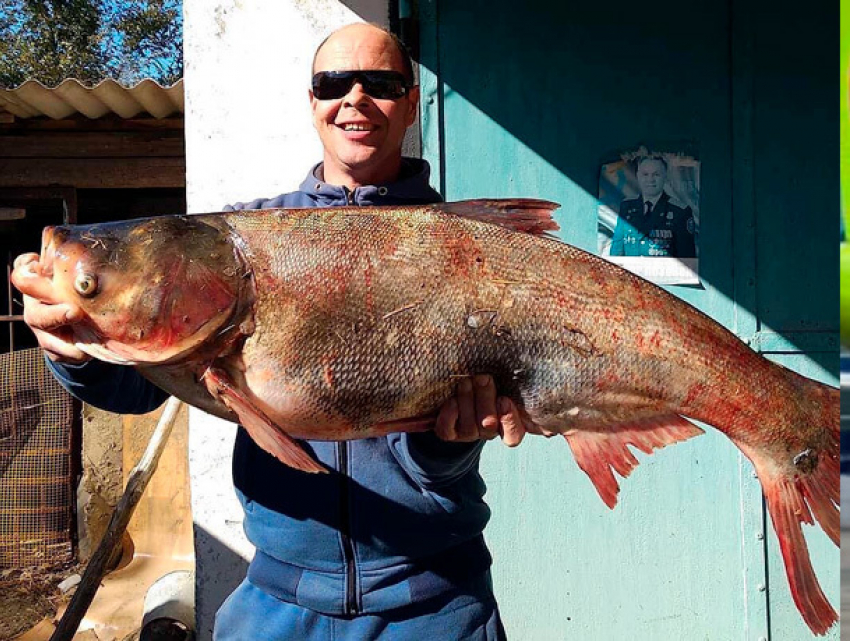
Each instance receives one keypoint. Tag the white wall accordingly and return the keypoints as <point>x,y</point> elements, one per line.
<point>248,135</point>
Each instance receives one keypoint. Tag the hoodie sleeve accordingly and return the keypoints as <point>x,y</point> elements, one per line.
<point>432,462</point>
<point>114,388</point>
<point>257,203</point>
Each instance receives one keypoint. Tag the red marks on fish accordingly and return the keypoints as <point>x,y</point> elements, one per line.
<point>196,294</point>
<point>462,253</point>
<point>608,380</point>
<point>601,279</point>
<point>696,392</point>
<point>565,300</point>
<point>648,342</point>
<point>655,340</point>
<point>328,374</point>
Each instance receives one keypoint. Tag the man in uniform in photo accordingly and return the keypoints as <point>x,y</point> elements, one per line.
<point>655,224</point>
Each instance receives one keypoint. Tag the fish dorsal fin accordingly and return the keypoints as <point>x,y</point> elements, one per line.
<point>526,215</point>
<point>599,452</point>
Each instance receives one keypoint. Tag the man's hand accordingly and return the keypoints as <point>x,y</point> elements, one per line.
<point>476,413</point>
<point>49,320</point>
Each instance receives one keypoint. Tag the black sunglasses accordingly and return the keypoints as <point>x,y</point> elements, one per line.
<point>384,85</point>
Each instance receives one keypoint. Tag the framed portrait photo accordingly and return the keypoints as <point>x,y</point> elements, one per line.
<point>649,215</point>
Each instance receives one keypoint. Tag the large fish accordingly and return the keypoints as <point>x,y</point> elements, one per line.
<point>352,322</point>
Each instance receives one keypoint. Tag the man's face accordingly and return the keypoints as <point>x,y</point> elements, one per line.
<point>361,135</point>
<point>651,176</point>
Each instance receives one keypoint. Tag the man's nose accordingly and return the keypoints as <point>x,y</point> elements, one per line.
<point>356,96</point>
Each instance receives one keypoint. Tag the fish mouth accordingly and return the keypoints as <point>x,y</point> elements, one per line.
<point>102,354</point>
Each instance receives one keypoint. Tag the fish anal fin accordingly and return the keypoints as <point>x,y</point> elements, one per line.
<point>527,215</point>
<point>602,451</point>
<point>261,429</point>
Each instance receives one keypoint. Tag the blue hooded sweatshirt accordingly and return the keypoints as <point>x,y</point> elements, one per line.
<point>398,520</point>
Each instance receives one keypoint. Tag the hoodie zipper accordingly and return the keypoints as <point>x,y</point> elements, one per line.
<point>345,507</point>
<point>345,531</point>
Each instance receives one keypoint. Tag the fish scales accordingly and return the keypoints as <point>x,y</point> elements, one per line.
<point>354,322</point>
<point>396,304</point>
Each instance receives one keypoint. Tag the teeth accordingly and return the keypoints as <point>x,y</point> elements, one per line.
<point>353,127</point>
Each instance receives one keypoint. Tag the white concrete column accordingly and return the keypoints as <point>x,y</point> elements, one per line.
<point>248,135</point>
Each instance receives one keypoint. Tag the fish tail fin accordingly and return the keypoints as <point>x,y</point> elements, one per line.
<point>804,490</point>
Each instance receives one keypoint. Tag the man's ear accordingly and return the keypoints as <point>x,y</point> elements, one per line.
<point>413,103</point>
<point>312,100</point>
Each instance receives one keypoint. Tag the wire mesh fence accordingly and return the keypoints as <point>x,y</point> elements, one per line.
<point>36,431</point>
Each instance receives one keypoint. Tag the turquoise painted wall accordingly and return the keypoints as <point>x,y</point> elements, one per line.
<point>528,100</point>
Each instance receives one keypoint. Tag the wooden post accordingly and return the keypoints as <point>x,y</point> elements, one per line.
<point>136,484</point>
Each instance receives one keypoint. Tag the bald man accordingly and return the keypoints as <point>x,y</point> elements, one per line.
<point>388,545</point>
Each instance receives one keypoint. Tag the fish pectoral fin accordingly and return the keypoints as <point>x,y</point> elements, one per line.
<point>526,215</point>
<point>598,452</point>
<point>265,433</point>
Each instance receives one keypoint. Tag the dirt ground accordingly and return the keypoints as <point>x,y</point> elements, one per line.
<point>27,596</point>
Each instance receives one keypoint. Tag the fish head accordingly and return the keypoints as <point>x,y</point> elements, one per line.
<point>152,289</point>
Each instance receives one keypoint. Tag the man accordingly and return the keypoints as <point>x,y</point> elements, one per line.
<point>389,544</point>
<point>654,224</point>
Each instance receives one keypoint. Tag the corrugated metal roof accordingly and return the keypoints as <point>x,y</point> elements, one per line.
<point>33,99</point>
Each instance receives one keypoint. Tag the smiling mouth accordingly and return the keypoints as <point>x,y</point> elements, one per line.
<point>350,126</point>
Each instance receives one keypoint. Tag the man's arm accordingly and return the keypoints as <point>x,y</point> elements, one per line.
<point>433,463</point>
<point>468,419</point>
<point>114,388</point>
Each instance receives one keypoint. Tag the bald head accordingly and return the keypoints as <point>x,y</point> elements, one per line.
<point>342,50</point>
<point>362,129</point>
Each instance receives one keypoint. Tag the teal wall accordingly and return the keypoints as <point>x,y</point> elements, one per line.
<point>527,100</point>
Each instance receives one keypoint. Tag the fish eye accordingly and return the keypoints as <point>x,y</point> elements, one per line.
<point>86,284</point>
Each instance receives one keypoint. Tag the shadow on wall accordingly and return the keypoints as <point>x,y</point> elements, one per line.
<point>576,83</point>
<point>223,571</point>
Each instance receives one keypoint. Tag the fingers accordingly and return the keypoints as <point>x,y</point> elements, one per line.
<point>25,259</point>
<point>49,318</point>
<point>29,281</point>
<point>446,420</point>
<point>513,428</point>
<point>465,428</point>
<point>59,347</point>
<point>471,414</point>
<point>475,413</point>
<point>485,403</point>
<point>46,316</point>
<point>50,324</point>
